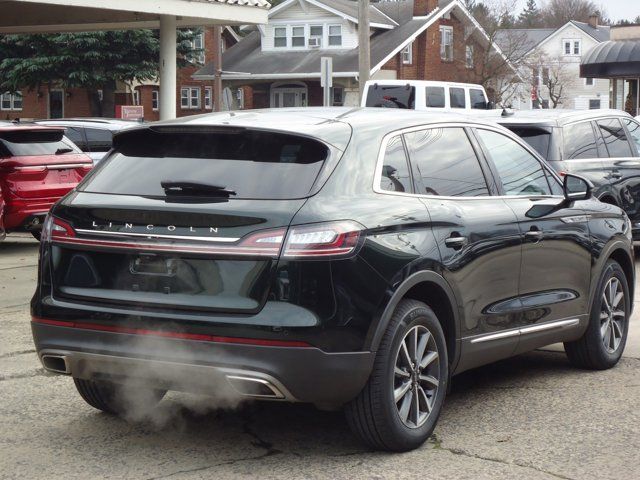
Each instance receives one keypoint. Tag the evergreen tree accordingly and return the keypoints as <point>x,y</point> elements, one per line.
<point>91,60</point>
<point>530,16</point>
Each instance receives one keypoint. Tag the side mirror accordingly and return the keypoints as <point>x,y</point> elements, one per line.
<point>577,188</point>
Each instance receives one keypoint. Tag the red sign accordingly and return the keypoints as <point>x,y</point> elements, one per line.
<point>129,112</point>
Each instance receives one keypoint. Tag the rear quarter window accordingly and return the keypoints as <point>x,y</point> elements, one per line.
<point>391,96</point>
<point>251,164</point>
<point>435,97</point>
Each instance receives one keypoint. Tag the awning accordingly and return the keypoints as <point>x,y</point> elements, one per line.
<point>612,60</point>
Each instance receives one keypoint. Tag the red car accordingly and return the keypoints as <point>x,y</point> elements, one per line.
<point>38,166</point>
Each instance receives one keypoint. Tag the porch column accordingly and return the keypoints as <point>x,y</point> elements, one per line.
<point>168,67</point>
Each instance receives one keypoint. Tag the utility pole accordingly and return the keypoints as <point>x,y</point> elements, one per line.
<point>364,47</point>
<point>217,85</point>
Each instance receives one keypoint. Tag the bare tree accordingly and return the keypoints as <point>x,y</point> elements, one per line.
<point>550,77</point>
<point>557,13</point>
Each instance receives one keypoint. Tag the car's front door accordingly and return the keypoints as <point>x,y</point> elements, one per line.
<point>556,260</point>
<point>477,235</point>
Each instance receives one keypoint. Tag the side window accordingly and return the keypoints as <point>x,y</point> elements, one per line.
<point>634,132</point>
<point>446,163</point>
<point>579,141</point>
<point>520,172</point>
<point>395,170</point>
<point>478,101</point>
<point>75,135</point>
<point>457,98</point>
<point>435,97</point>
<point>99,140</point>
<point>615,138</point>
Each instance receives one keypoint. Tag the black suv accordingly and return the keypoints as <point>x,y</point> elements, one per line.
<point>600,145</point>
<point>354,258</point>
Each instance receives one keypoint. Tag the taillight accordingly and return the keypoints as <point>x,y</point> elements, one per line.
<point>55,228</point>
<point>334,239</point>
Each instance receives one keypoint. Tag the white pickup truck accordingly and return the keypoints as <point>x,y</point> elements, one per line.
<point>425,95</point>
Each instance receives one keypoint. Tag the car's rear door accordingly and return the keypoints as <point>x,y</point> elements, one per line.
<point>477,235</point>
<point>555,275</point>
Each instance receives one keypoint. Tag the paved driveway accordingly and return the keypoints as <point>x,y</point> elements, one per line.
<point>533,416</point>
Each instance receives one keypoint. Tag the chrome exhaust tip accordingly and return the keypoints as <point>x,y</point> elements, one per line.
<point>55,364</point>
<point>254,387</point>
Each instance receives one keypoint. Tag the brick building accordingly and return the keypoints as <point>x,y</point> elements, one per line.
<point>193,96</point>
<point>278,64</point>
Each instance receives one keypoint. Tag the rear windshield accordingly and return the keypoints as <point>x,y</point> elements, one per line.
<point>391,96</point>
<point>31,143</point>
<point>537,138</point>
<point>238,164</point>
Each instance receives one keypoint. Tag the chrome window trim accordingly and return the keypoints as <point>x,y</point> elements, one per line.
<point>385,141</point>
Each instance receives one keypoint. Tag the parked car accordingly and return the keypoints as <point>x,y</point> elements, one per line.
<point>94,136</point>
<point>345,258</point>
<point>600,145</point>
<point>38,165</point>
<point>425,95</point>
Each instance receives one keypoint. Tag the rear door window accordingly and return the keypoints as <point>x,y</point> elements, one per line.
<point>395,170</point>
<point>23,143</point>
<point>391,96</point>
<point>240,163</point>
<point>457,98</point>
<point>615,138</point>
<point>445,163</point>
<point>579,141</point>
<point>634,131</point>
<point>435,97</point>
<point>478,101</point>
<point>99,140</point>
<point>520,172</point>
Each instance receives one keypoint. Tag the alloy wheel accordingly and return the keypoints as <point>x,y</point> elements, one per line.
<point>612,315</point>
<point>416,376</point>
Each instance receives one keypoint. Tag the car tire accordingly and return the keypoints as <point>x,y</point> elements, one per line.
<point>106,396</point>
<point>602,344</point>
<point>379,415</point>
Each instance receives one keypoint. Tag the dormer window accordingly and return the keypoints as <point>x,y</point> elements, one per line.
<point>316,32</point>
<point>280,37</point>
<point>335,35</point>
<point>297,37</point>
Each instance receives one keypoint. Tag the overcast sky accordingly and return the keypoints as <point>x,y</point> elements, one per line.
<point>616,9</point>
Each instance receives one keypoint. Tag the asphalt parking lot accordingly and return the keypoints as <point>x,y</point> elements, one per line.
<point>531,417</point>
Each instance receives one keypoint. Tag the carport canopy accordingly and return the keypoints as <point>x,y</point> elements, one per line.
<point>50,16</point>
<point>613,59</point>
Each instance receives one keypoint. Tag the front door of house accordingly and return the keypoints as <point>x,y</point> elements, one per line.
<point>56,104</point>
<point>288,97</point>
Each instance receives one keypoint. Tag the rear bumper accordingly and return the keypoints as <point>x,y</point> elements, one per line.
<point>20,214</point>
<point>277,373</point>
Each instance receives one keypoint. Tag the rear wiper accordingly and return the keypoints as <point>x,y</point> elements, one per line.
<point>62,151</point>
<point>194,188</point>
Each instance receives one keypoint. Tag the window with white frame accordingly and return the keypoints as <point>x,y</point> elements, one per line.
<point>335,35</point>
<point>469,57</point>
<point>155,102</point>
<point>280,37</point>
<point>198,44</point>
<point>11,101</point>
<point>407,54</point>
<point>208,98</point>
<point>446,43</point>
<point>298,39</point>
<point>572,46</point>
<point>190,98</point>
<point>316,34</point>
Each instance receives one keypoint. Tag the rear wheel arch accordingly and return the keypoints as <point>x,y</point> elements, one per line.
<point>434,291</point>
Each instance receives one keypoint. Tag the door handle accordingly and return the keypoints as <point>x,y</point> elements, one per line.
<point>456,241</point>
<point>534,235</point>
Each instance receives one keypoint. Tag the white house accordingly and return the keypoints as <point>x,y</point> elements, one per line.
<point>556,54</point>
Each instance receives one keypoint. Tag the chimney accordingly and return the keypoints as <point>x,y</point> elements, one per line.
<point>594,18</point>
<point>422,8</point>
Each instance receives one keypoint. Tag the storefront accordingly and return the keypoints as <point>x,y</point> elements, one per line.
<point>619,61</point>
